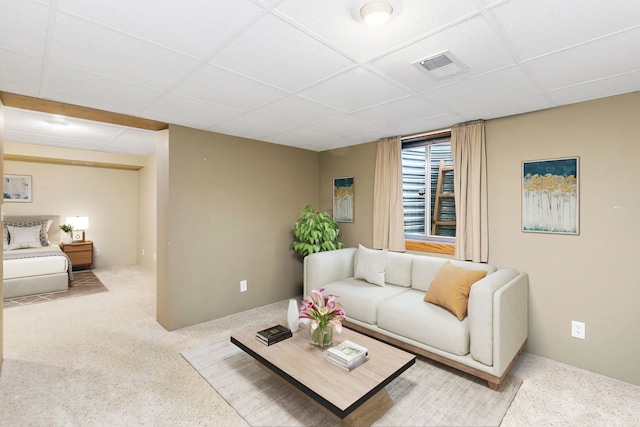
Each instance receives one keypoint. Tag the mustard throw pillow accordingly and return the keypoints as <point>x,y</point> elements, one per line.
<point>450,288</point>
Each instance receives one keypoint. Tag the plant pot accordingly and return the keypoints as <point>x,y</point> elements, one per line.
<point>66,238</point>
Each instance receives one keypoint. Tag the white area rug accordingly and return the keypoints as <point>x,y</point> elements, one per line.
<point>427,394</point>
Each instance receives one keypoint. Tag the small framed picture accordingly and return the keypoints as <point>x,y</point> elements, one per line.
<point>343,193</point>
<point>550,196</point>
<point>18,188</point>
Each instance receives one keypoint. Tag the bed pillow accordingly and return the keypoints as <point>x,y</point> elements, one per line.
<point>24,237</point>
<point>44,231</point>
<point>370,265</point>
<point>451,286</point>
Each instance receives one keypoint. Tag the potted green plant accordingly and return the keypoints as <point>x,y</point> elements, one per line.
<point>66,236</point>
<point>315,232</point>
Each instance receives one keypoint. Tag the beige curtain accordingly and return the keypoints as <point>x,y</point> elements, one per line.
<point>388,218</point>
<point>468,147</point>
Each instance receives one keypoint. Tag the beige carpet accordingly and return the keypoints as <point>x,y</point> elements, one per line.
<point>84,283</point>
<point>425,395</point>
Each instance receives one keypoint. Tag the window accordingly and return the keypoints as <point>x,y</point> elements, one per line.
<point>422,158</point>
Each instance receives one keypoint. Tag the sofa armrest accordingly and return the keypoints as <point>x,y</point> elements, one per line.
<point>498,317</point>
<point>511,324</point>
<point>325,267</point>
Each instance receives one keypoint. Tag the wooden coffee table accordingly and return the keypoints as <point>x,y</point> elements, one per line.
<point>357,397</point>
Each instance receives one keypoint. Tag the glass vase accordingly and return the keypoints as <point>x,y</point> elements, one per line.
<point>321,337</point>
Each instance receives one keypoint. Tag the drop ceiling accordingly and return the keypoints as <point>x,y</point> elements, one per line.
<point>304,73</point>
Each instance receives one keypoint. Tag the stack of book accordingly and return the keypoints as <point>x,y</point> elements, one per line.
<point>273,334</point>
<point>348,355</point>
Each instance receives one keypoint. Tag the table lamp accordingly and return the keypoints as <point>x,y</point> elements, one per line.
<point>79,223</point>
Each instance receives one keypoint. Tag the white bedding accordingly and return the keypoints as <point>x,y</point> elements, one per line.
<point>27,267</point>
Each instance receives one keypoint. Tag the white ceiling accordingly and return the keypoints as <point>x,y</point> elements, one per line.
<point>305,73</point>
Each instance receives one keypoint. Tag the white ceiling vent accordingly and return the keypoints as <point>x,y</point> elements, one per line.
<point>442,65</point>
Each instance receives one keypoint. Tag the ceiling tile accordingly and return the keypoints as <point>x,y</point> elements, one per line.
<point>594,89</point>
<point>80,44</point>
<point>275,53</point>
<point>596,60</point>
<point>401,111</point>
<point>213,84</point>
<point>302,137</point>
<point>20,73</point>
<point>354,90</point>
<point>189,112</point>
<point>334,21</point>
<point>199,29</point>
<point>487,89</point>
<point>346,125</point>
<point>472,41</point>
<point>253,125</point>
<point>507,108</point>
<point>564,24</point>
<point>297,110</point>
<point>24,27</point>
<point>97,91</point>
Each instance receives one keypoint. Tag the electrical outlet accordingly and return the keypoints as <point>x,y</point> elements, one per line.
<point>96,251</point>
<point>243,286</point>
<point>143,252</point>
<point>578,330</point>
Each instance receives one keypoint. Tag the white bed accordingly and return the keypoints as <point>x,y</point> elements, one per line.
<point>36,269</point>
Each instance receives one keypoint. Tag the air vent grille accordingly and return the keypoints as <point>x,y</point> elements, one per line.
<point>437,62</point>
<point>442,65</point>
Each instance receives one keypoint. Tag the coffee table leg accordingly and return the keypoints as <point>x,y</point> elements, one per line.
<point>370,410</point>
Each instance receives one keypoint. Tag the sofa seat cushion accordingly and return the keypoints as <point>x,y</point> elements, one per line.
<point>360,299</point>
<point>408,315</point>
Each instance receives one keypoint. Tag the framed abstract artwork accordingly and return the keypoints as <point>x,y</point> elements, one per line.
<point>18,188</point>
<point>343,194</point>
<point>550,196</point>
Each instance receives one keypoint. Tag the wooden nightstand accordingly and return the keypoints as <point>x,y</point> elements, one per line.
<point>80,253</point>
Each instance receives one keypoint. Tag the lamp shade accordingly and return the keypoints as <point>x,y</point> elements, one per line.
<point>78,222</point>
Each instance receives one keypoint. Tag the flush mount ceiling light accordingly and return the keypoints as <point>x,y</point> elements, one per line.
<point>376,13</point>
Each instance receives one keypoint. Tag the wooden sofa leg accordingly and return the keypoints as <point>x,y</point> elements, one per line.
<point>493,385</point>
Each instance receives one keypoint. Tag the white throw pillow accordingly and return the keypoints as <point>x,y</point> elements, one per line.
<point>370,265</point>
<point>24,237</point>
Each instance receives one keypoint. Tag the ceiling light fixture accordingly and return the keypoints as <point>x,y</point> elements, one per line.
<point>376,13</point>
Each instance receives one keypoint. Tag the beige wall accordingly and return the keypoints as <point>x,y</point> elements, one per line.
<point>589,277</point>
<point>147,214</point>
<point>224,215</point>
<point>107,196</point>
<point>356,161</point>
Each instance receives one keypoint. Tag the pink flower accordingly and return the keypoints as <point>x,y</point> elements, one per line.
<point>322,310</point>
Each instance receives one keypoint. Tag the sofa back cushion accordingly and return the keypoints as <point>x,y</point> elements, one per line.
<point>425,269</point>
<point>399,268</point>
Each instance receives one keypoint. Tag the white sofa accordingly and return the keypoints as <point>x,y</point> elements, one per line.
<point>485,343</point>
